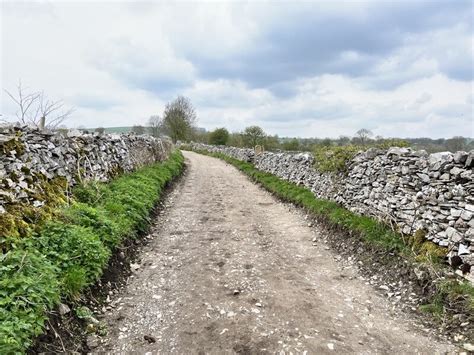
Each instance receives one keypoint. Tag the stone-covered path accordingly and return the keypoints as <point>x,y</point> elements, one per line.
<point>232,270</point>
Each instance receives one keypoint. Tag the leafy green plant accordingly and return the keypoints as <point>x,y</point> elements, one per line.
<point>89,193</point>
<point>28,287</point>
<point>83,312</point>
<point>73,282</point>
<point>95,218</point>
<point>71,246</point>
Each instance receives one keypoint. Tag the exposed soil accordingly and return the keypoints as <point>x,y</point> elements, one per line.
<point>230,269</point>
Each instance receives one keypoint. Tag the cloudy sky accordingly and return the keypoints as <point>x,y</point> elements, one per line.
<point>309,69</point>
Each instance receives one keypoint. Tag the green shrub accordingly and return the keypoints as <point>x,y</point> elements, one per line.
<point>220,136</point>
<point>28,287</point>
<point>336,158</point>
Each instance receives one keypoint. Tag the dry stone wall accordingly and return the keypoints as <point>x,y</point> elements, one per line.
<point>412,189</point>
<point>28,157</point>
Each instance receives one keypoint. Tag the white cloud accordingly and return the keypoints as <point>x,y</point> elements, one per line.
<point>119,63</point>
<point>333,105</point>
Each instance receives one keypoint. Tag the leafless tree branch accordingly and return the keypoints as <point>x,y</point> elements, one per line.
<point>36,105</point>
<point>24,103</point>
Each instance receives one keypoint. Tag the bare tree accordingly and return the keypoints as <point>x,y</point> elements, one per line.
<point>155,125</point>
<point>34,108</point>
<point>53,112</point>
<point>179,119</point>
<point>364,135</point>
<point>27,103</point>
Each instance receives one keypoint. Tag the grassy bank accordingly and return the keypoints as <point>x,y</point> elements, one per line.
<point>450,295</point>
<point>67,254</point>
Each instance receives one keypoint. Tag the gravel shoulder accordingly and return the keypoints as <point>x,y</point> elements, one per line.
<point>231,269</point>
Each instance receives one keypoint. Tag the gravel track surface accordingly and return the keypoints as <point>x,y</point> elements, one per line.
<point>232,270</point>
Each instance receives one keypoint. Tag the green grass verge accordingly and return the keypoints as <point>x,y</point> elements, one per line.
<point>69,253</point>
<point>378,235</point>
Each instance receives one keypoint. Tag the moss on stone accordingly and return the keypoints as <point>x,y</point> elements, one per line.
<point>430,251</point>
<point>11,225</point>
<point>13,144</point>
<point>425,250</point>
<point>21,219</point>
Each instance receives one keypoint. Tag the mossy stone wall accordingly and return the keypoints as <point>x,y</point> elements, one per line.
<point>38,168</point>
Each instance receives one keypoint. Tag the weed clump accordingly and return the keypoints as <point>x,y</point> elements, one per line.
<point>334,159</point>
<point>451,293</point>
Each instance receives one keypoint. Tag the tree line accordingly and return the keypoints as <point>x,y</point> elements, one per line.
<point>179,123</point>
<point>363,138</point>
<point>179,118</point>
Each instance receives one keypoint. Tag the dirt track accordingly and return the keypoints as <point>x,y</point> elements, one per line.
<point>230,269</point>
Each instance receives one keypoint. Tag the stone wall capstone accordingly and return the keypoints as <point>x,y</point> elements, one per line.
<point>28,156</point>
<point>412,189</point>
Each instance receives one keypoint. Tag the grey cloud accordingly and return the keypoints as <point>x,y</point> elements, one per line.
<point>460,70</point>
<point>425,97</point>
<point>305,44</point>
<point>142,67</point>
